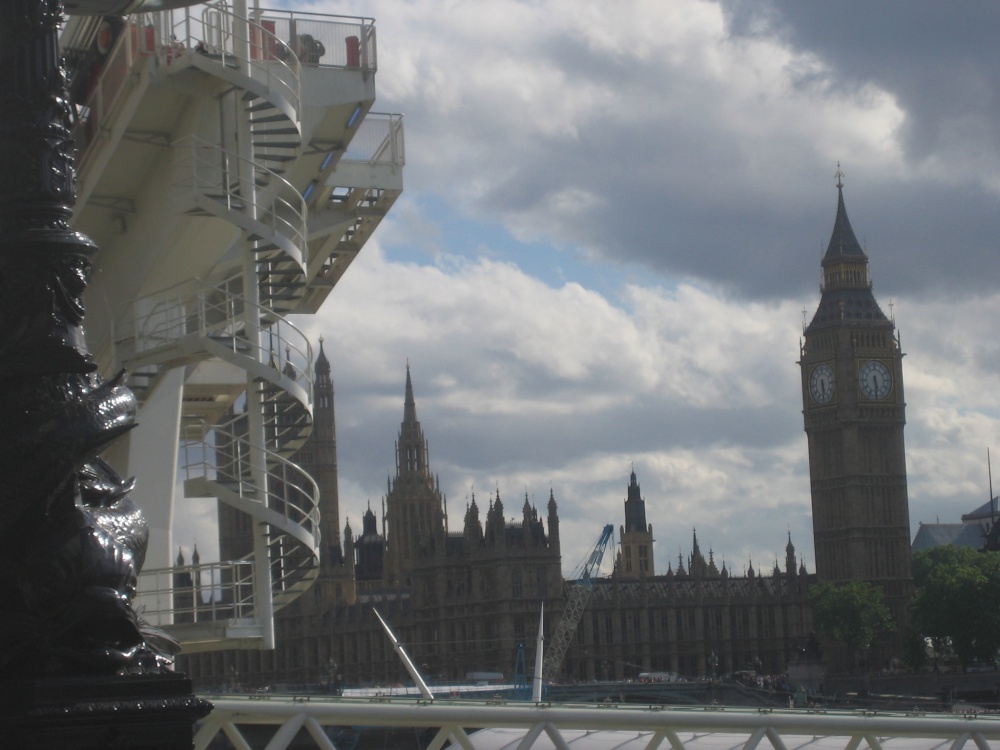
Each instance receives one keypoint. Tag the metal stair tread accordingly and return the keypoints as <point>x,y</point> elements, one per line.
<point>278,117</point>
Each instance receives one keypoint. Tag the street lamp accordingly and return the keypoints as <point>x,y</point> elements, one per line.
<point>71,539</point>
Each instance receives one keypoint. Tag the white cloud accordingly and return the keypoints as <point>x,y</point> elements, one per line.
<point>523,387</point>
<point>648,133</point>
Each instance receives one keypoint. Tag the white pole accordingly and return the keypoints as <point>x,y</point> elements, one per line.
<point>536,685</point>
<point>398,648</point>
<point>263,586</point>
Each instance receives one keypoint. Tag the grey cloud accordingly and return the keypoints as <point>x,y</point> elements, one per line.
<point>672,169</point>
<point>940,60</point>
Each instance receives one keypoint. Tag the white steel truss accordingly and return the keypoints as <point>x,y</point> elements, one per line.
<point>521,726</point>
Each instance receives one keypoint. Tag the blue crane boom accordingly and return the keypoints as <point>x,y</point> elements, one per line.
<point>593,563</point>
<point>579,594</point>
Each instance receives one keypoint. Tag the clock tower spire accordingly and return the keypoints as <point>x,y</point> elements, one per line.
<point>854,412</point>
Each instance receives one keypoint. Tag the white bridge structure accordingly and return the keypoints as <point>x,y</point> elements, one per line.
<point>538,725</point>
<point>486,725</point>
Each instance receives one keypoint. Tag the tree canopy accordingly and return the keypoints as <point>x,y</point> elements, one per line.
<point>853,613</point>
<point>957,602</point>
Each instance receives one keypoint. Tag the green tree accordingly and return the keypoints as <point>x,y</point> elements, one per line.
<point>853,613</point>
<point>914,649</point>
<point>957,602</point>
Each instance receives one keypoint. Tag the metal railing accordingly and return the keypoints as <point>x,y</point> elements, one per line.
<point>547,725</point>
<point>204,310</point>
<point>218,35</point>
<point>205,171</point>
<point>323,40</point>
<point>223,455</point>
<point>210,592</point>
<point>378,140</point>
<point>279,42</point>
<point>276,36</point>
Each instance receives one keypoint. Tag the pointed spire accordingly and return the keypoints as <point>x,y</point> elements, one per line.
<point>790,556</point>
<point>288,370</point>
<point>409,405</point>
<point>195,557</point>
<point>847,286</point>
<point>322,365</point>
<point>180,556</point>
<point>635,506</point>
<point>843,242</point>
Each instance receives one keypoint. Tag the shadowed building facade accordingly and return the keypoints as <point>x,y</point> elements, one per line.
<point>462,600</point>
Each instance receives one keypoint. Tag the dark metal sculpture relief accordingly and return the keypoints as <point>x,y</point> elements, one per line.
<point>71,539</point>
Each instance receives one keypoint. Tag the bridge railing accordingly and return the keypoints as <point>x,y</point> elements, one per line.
<point>545,725</point>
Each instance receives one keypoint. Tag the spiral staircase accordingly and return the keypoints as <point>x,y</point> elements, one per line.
<point>245,207</point>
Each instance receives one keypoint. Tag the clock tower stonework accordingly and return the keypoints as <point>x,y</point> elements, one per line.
<point>854,412</point>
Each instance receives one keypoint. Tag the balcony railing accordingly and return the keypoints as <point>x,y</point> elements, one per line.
<point>327,41</point>
<point>378,140</point>
<point>317,39</point>
<point>204,593</point>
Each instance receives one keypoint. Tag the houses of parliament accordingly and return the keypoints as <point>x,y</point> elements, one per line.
<point>467,599</point>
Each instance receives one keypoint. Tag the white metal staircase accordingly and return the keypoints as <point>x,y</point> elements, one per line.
<point>294,226</point>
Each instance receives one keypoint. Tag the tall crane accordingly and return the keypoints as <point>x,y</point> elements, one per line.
<point>580,592</point>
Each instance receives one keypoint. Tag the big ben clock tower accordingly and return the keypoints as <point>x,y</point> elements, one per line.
<point>854,411</point>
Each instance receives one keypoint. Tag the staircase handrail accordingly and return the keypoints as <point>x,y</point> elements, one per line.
<point>295,494</point>
<point>195,307</point>
<point>209,171</point>
<point>219,34</point>
<point>231,586</point>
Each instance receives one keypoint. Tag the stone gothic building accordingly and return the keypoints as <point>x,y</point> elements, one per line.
<point>697,620</point>
<point>854,412</point>
<point>463,600</point>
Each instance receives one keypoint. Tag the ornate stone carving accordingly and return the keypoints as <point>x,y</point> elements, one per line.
<point>72,540</point>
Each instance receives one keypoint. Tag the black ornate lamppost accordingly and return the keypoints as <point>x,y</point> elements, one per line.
<point>77,666</point>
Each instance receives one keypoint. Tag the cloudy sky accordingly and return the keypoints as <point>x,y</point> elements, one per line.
<point>610,235</point>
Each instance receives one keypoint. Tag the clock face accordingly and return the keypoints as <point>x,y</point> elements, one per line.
<point>821,384</point>
<point>875,379</point>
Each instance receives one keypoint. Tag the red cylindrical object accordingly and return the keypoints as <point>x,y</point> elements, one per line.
<point>353,52</point>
